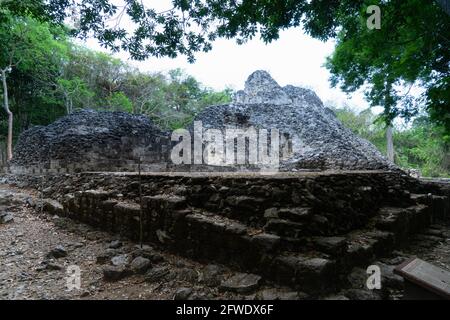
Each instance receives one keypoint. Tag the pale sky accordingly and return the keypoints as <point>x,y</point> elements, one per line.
<point>294,58</point>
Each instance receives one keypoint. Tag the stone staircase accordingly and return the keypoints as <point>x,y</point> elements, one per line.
<point>305,244</point>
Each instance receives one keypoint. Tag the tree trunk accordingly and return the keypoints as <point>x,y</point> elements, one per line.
<point>2,154</point>
<point>10,117</point>
<point>66,102</point>
<point>389,143</point>
<point>70,106</point>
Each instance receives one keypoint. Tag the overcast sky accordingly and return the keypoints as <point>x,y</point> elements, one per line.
<point>294,58</point>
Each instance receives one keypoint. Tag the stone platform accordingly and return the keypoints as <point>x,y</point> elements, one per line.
<point>305,230</point>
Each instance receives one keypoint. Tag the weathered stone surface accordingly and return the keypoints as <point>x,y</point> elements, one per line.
<point>361,294</point>
<point>244,202</point>
<point>115,244</point>
<point>271,213</point>
<point>241,283</point>
<point>280,294</point>
<point>269,242</point>
<point>6,217</point>
<point>140,265</point>
<point>90,140</point>
<point>336,297</point>
<point>53,207</point>
<point>331,245</point>
<point>58,252</point>
<point>158,274</point>
<point>114,273</point>
<point>121,260</point>
<point>294,214</point>
<point>53,266</point>
<point>105,257</point>
<point>211,275</point>
<point>322,141</point>
<point>284,228</point>
<point>183,294</point>
<point>310,273</point>
<point>188,275</point>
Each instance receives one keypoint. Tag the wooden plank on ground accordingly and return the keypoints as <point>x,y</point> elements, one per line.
<point>426,275</point>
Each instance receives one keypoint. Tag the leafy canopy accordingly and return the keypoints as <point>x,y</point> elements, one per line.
<point>411,50</point>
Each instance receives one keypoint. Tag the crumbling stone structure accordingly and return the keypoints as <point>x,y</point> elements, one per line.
<point>322,142</point>
<point>91,141</point>
<point>312,138</point>
<point>303,230</point>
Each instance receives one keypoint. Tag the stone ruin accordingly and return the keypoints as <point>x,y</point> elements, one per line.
<point>324,143</point>
<point>115,141</point>
<point>303,230</point>
<point>91,141</point>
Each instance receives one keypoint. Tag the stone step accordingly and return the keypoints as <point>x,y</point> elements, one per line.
<point>208,236</point>
<point>365,245</point>
<point>311,272</point>
<point>107,214</point>
<point>213,237</point>
<point>285,228</point>
<point>421,198</point>
<point>296,214</point>
<point>403,222</point>
<point>439,205</point>
<point>164,202</point>
<point>289,250</point>
<point>334,246</point>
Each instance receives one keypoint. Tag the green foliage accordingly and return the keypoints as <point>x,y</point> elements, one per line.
<point>99,81</point>
<point>51,76</point>
<point>34,52</point>
<point>410,49</point>
<point>118,101</point>
<point>210,97</point>
<point>179,98</point>
<point>418,147</point>
<point>363,124</point>
<point>188,27</point>
<point>28,44</point>
<point>421,147</point>
<point>74,92</point>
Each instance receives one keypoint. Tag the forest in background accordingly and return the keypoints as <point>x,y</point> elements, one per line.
<point>52,76</point>
<point>417,145</point>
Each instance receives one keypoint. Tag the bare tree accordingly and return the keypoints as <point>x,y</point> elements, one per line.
<point>4,71</point>
<point>389,143</point>
<point>13,60</point>
<point>29,45</point>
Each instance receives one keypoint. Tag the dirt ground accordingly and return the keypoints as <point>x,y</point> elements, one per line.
<point>26,271</point>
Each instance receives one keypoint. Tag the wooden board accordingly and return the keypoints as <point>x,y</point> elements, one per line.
<point>426,275</point>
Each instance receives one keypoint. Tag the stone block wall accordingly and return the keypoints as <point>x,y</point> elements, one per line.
<point>302,230</point>
<point>88,140</point>
<point>127,155</point>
